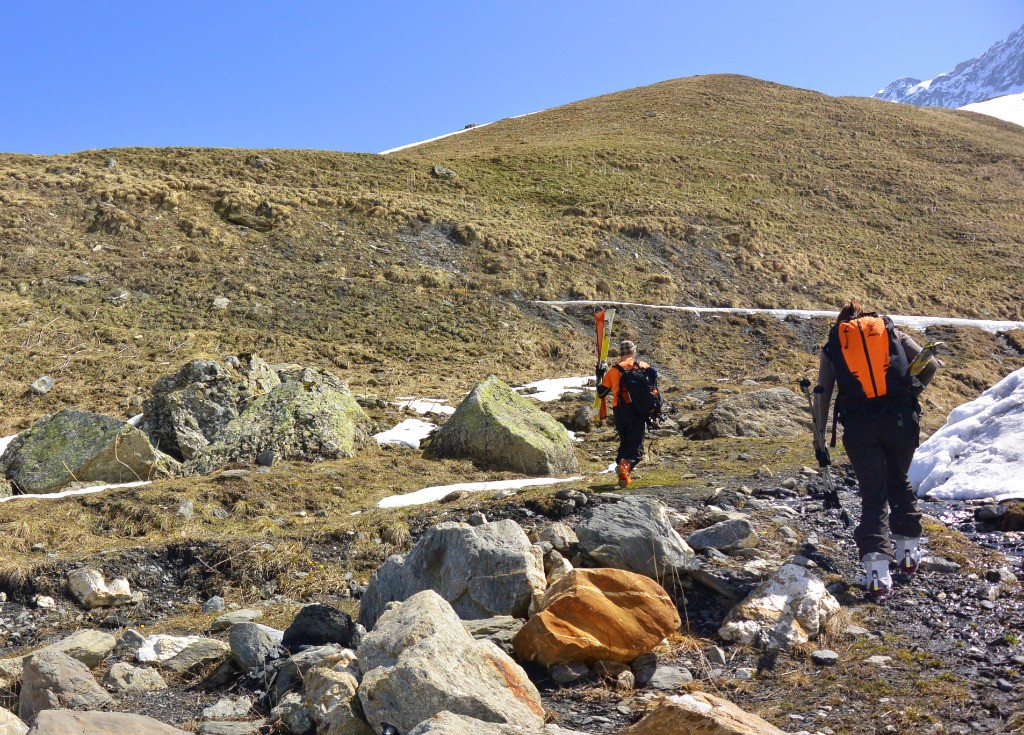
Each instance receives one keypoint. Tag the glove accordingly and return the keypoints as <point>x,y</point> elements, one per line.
<point>821,454</point>
<point>602,368</point>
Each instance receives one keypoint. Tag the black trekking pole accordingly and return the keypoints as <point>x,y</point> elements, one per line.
<point>824,460</point>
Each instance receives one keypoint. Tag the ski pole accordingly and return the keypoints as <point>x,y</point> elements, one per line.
<point>824,460</point>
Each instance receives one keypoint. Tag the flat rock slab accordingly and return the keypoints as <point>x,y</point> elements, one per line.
<point>698,712</point>
<point>738,533</point>
<point>64,722</point>
<point>182,654</point>
<point>234,618</point>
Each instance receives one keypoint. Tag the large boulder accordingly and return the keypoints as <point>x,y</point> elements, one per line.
<point>697,713</point>
<point>635,534</point>
<point>420,661</point>
<point>53,680</point>
<point>10,724</point>
<point>309,416</point>
<point>497,428</point>
<point>789,609</point>
<point>482,571</point>
<point>191,409</point>
<point>252,644</point>
<point>597,614</point>
<point>62,722</point>
<point>763,413</point>
<point>77,446</point>
<point>91,647</point>
<point>445,723</point>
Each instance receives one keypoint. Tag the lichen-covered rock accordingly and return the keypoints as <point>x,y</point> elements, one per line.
<point>77,446</point>
<point>190,409</point>
<point>420,661</point>
<point>91,647</point>
<point>311,416</point>
<point>762,413</point>
<point>482,571</point>
<point>635,534</point>
<point>497,428</point>
<point>597,614</point>
<point>787,610</point>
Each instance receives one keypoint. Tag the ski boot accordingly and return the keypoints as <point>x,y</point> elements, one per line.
<point>878,581</point>
<point>624,468</point>
<point>908,556</point>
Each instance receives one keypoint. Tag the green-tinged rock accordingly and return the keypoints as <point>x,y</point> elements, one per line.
<point>497,428</point>
<point>77,446</point>
<point>310,416</point>
<point>764,413</point>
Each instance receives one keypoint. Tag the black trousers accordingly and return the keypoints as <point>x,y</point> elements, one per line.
<point>631,431</point>
<point>881,449</point>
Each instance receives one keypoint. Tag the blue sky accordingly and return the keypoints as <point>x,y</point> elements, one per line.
<point>373,75</point>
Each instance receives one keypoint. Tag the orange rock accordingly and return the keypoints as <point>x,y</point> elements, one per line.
<point>594,614</point>
<point>698,713</point>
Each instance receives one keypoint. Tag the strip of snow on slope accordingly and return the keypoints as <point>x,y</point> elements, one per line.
<point>408,434</point>
<point>77,491</point>
<point>431,494</point>
<point>979,453</point>
<point>448,135</point>
<point>914,322</point>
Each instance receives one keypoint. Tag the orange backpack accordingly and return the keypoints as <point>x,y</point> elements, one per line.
<point>868,361</point>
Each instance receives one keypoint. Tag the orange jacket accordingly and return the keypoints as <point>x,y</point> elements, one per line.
<point>611,378</point>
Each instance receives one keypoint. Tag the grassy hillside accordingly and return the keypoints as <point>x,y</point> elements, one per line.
<point>715,190</point>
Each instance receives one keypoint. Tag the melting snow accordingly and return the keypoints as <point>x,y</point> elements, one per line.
<point>979,453</point>
<point>1009,107</point>
<point>77,491</point>
<point>423,406</point>
<point>431,494</point>
<point>5,441</point>
<point>552,389</point>
<point>409,433</point>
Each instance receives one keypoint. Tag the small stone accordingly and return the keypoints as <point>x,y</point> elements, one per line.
<point>45,603</point>
<point>881,661</point>
<point>477,519</point>
<point>787,533</point>
<point>565,674</point>
<point>122,677</point>
<point>228,708</point>
<point>989,513</point>
<point>939,565</point>
<point>1003,574</point>
<point>235,617</point>
<point>440,172</point>
<point>856,631</point>
<point>825,658</point>
<point>717,656</point>
<point>221,302</point>
<point>670,678</point>
<point>129,640</point>
<point>42,385</point>
<point>1005,686</point>
<point>987,605</point>
<point>214,604</point>
<point>266,458</point>
<point>744,674</point>
<point>789,483</point>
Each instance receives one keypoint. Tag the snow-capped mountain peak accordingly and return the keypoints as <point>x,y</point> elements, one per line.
<point>997,72</point>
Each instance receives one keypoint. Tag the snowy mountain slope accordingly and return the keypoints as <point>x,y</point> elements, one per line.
<point>997,72</point>
<point>1009,108</point>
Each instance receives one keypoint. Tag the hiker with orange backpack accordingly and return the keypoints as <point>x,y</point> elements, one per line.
<point>869,361</point>
<point>636,403</point>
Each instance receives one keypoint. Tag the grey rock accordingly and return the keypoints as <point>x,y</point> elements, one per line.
<point>318,625</point>
<point>500,630</point>
<point>440,172</point>
<point>129,640</point>
<point>582,420</point>
<point>183,655</point>
<point>733,534</point>
<point>566,674</point>
<point>1003,574</point>
<point>309,418</point>
<point>477,519</point>
<point>775,412</point>
<point>228,708</point>
<point>64,722</point>
<point>670,678</point>
<point>42,386</point>
<point>635,534</point>
<point>484,571</point>
<point>562,538</point>
<point>90,647</point>
<point>252,644</point>
<point>225,621</point>
<point>497,428</point>
<point>76,446</point>
<point>53,680</point>
<point>1005,685</point>
<point>446,723</point>
<point>939,565</point>
<point>643,668</point>
<point>294,669</point>
<point>214,604</point>
<point>10,724</point>
<point>292,715</point>
<point>419,660</point>
<point>825,658</point>
<point>230,728</point>
<point>716,656</point>
<point>990,513</point>
<point>856,631</point>
<point>122,677</point>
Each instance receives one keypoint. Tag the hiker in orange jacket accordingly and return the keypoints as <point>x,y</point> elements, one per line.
<point>868,359</point>
<point>630,427</point>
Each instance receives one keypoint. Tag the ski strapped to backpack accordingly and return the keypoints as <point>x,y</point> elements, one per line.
<point>604,318</point>
<point>638,385</point>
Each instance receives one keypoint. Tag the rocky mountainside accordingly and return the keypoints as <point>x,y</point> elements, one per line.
<point>997,72</point>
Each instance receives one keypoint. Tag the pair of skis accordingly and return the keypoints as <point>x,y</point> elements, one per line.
<point>604,319</point>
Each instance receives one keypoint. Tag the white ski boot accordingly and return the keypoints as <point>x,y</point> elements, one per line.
<point>908,554</point>
<point>878,581</point>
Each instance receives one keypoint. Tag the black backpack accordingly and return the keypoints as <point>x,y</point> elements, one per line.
<point>641,384</point>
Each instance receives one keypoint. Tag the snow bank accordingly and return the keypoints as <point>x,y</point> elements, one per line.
<point>431,494</point>
<point>914,322</point>
<point>409,433</point>
<point>552,389</point>
<point>1009,107</point>
<point>77,491</point>
<point>423,406</point>
<point>5,441</point>
<point>979,453</point>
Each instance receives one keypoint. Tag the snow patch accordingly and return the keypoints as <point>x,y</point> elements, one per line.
<point>5,441</point>
<point>77,491</point>
<point>409,433</point>
<point>424,406</point>
<point>431,494</point>
<point>552,389</point>
<point>1009,107</point>
<point>164,647</point>
<point>979,453</point>
<point>448,135</point>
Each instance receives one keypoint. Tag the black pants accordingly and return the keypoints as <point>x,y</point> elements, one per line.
<point>631,431</point>
<point>881,449</point>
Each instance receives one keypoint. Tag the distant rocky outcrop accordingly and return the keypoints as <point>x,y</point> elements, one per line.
<point>77,446</point>
<point>482,571</point>
<point>497,428</point>
<point>762,413</point>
